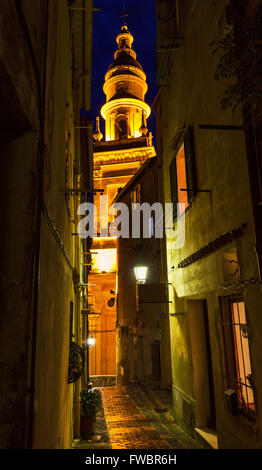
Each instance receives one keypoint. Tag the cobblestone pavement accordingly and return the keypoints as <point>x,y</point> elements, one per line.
<point>100,439</point>
<point>127,419</point>
<point>127,426</point>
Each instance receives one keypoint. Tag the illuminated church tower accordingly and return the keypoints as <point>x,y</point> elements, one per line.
<point>125,111</point>
<point>127,145</point>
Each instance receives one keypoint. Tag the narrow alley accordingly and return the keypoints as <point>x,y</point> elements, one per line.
<point>131,211</point>
<point>128,419</point>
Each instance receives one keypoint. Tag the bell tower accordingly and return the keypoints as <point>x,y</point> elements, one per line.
<point>126,146</point>
<point>125,111</point>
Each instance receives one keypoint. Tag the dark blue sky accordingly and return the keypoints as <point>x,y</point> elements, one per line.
<point>107,24</point>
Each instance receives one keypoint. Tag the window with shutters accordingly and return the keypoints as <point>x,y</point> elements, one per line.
<point>182,174</point>
<point>236,353</point>
<point>168,35</point>
<point>167,15</point>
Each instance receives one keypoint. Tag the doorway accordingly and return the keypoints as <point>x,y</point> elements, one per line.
<point>205,413</point>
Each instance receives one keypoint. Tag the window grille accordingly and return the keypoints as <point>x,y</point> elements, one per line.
<point>237,354</point>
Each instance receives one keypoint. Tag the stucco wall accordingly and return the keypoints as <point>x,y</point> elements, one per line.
<point>17,242</point>
<point>20,154</point>
<point>193,97</point>
<point>52,405</point>
<point>141,325</point>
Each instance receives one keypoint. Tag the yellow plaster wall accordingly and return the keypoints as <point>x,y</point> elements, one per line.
<point>192,98</point>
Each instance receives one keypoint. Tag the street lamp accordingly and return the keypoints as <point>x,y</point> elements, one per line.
<point>141,274</point>
<point>91,341</point>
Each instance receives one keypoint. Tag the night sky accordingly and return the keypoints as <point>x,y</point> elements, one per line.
<point>107,24</point>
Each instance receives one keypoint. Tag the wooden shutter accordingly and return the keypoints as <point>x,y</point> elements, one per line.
<point>190,163</point>
<point>173,186</point>
<point>167,23</point>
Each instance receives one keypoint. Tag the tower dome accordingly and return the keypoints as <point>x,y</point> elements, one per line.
<point>125,110</point>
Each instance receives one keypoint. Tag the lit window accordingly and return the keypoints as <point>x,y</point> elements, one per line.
<point>182,174</point>
<point>237,355</point>
<point>181,177</point>
<point>136,195</point>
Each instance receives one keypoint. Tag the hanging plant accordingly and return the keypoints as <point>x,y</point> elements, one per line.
<point>241,61</point>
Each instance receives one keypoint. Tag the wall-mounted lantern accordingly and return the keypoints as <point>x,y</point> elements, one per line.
<point>141,274</point>
<point>91,341</point>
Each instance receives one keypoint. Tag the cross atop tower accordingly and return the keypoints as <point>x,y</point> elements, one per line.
<point>124,16</point>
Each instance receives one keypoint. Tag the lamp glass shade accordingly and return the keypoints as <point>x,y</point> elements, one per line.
<point>141,273</point>
<point>91,341</point>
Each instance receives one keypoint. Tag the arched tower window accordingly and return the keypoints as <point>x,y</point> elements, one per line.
<point>121,127</point>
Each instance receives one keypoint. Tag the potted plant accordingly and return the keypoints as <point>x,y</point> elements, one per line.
<point>89,402</point>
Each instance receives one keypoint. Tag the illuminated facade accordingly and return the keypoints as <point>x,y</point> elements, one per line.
<point>215,302</point>
<point>116,159</point>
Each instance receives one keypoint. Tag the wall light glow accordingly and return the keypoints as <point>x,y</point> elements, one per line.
<point>104,260</point>
<point>141,273</point>
<point>91,341</point>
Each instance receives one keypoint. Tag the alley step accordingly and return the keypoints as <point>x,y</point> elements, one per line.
<point>103,380</point>
<point>208,437</point>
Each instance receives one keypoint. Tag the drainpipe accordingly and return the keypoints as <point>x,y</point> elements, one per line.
<point>90,168</point>
<point>90,187</point>
<point>83,52</point>
<point>88,177</point>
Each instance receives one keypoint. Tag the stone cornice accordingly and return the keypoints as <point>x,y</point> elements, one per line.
<point>122,156</point>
